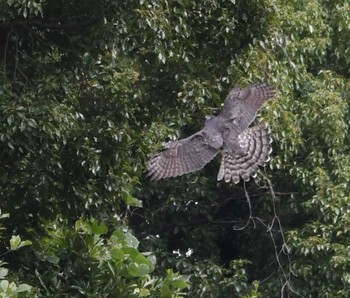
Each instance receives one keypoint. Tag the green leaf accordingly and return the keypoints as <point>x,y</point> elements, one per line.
<point>131,240</point>
<point>166,293</point>
<point>99,228</point>
<point>3,272</point>
<point>4,284</point>
<point>118,236</point>
<point>144,292</point>
<point>131,201</point>
<point>117,253</point>
<point>10,119</point>
<point>180,283</point>
<point>15,242</point>
<point>133,269</point>
<point>143,269</point>
<point>4,215</point>
<point>132,252</point>
<point>52,259</point>
<point>141,259</point>
<point>24,288</point>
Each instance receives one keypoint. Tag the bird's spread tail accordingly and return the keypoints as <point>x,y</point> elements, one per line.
<point>257,144</point>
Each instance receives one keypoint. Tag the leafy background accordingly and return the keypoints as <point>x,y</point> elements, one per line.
<point>90,89</point>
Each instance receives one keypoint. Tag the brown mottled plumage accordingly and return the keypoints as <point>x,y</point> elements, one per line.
<point>244,149</point>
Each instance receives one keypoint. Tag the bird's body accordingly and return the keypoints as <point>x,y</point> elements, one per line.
<point>244,148</point>
<point>214,128</point>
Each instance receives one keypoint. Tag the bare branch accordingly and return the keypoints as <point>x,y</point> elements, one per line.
<point>250,212</point>
<point>275,224</point>
<point>286,272</point>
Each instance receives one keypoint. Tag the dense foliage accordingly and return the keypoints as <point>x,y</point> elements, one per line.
<point>90,89</point>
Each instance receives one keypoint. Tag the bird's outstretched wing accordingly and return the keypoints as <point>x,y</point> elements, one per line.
<point>241,106</point>
<point>184,156</point>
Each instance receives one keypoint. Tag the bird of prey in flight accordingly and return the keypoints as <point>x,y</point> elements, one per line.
<point>243,148</point>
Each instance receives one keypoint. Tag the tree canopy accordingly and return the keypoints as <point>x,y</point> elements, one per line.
<point>90,90</point>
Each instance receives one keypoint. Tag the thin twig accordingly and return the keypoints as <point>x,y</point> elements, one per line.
<point>16,61</point>
<point>250,212</point>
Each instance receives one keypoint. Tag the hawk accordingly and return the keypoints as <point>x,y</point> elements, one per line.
<point>243,149</point>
